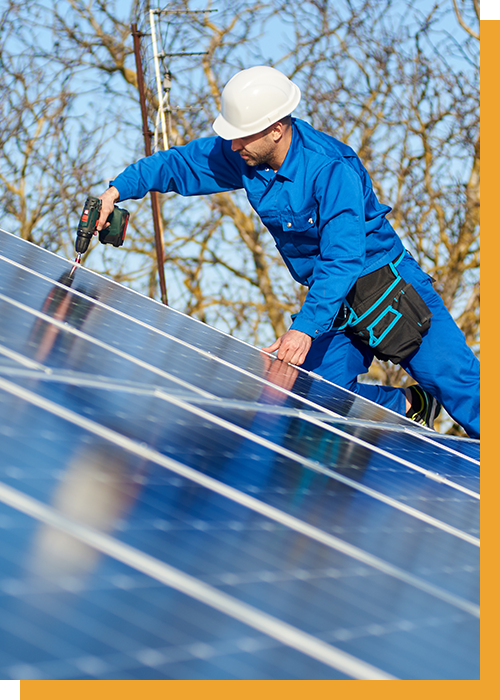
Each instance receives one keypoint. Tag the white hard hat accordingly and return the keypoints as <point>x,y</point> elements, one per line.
<point>253,100</point>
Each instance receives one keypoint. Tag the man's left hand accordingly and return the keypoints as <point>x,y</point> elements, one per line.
<point>292,347</point>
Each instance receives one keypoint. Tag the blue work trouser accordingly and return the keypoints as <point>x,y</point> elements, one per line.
<point>443,364</point>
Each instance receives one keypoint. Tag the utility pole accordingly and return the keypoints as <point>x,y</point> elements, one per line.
<point>155,205</point>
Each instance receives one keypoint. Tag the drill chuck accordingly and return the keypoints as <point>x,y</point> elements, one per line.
<point>82,242</point>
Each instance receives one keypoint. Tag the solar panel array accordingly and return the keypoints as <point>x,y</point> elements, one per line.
<point>176,504</point>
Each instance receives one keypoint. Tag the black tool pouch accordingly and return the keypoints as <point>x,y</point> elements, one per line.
<point>387,313</point>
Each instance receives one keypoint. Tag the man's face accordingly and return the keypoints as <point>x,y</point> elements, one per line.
<point>256,149</point>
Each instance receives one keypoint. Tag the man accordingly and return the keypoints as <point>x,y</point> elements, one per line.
<point>316,199</point>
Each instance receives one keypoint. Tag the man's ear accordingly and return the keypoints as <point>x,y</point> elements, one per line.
<point>277,131</point>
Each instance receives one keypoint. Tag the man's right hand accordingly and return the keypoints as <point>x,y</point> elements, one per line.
<point>292,346</point>
<point>108,200</point>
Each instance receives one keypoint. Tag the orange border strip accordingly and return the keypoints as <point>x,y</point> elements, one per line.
<point>244,690</point>
<point>490,118</point>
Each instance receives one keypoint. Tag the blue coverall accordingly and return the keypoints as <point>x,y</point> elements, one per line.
<point>330,230</point>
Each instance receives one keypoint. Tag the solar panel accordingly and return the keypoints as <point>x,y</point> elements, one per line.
<point>175,504</point>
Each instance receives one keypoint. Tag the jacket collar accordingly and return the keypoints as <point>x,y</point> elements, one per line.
<point>291,164</point>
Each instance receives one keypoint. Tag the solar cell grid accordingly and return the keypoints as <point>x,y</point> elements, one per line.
<point>312,497</point>
<point>171,324</point>
<point>274,448</point>
<point>144,450</point>
<point>219,376</point>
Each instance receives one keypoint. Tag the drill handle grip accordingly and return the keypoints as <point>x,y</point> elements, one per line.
<point>90,216</point>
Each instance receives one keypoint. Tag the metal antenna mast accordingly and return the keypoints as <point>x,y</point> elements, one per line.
<point>159,86</point>
<point>163,106</point>
<point>163,87</point>
<point>155,205</point>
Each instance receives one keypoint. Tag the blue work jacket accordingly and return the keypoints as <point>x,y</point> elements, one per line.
<point>319,207</point>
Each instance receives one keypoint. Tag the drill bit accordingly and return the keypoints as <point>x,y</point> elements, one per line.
<point>78,260</point>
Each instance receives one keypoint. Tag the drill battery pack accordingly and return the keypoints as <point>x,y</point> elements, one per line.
<point>115,232</point>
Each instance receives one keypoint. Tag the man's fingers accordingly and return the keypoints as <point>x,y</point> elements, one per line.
<point>291,355</point>
<point>108,200</point>
<point>292,347</point>
<point>105,212</point>
<point>286,353</point>
<point>273,347</point>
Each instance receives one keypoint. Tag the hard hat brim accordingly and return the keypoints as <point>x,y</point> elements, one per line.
<point>228,132</point>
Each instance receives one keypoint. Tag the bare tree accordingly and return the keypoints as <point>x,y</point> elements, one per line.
<point>48,155</point>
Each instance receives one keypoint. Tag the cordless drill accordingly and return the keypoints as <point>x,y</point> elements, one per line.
<point>114,233</point>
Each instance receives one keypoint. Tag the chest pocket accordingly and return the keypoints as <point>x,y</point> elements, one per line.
<point>300,232</point>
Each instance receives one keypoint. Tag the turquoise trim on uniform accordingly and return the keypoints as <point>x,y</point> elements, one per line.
<point>374,341</point>
<point>354,319</point>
